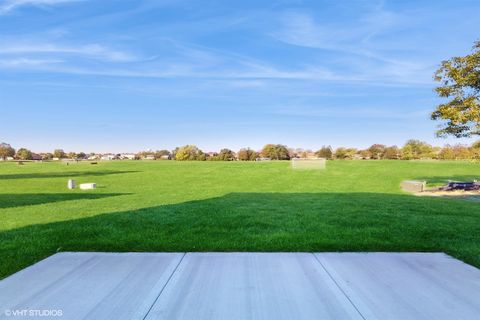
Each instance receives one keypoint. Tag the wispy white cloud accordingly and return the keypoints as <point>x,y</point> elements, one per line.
<point>303,28</point>
<point>356,44</point>
<point>25,62</point>
<point>207,65</point>
<point>246,77</point>
<point>246,83</point>
<point>171,58</point>
<point>7,6</point>
<point>90,50</point>
<point>348,112</point>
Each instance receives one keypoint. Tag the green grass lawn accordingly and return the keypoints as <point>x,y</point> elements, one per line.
<point>231,206</point>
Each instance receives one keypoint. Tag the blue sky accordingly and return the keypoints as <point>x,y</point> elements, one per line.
<point>114,76</point>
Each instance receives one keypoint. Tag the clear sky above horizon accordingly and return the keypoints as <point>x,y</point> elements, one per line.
<point>129,75</point>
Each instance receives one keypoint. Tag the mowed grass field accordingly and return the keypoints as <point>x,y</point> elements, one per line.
<point>231,206</point>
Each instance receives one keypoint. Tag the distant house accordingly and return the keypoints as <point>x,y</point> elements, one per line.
<point>36,157</point>
<point>263,159</point>
<point>149,157</point>
<point>93,157</point>
<point>165,157</point>
<point>127,156</point>
<point>107,157</point>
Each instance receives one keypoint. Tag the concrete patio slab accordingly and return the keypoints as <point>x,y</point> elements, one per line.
<point>89,285</point>
<point>252,286</point>
<point>406,285</point>
<point>244,286</point>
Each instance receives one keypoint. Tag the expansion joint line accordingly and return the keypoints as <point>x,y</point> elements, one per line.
<point>338,286</point>
<point>165,285</point>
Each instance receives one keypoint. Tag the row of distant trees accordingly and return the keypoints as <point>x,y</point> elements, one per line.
<point>6,151</point>
<point>413,149</point>
<point>192,152</point>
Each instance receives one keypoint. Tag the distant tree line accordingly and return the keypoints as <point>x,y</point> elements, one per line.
<point>413,149</point>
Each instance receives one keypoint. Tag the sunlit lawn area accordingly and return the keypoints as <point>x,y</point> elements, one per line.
<point>231,206</point>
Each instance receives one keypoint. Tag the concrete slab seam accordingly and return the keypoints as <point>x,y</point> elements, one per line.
<point>165,285</point>
<point>339,287</point>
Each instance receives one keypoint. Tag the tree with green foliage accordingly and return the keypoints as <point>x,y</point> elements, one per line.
<point>72,155</point>
<point>202,156</point>
<point>6,151</point>
<point>275,152</point>
<point>475,150</point>
<point>476,145</point>
<point>365,154</point>
<point>341,153</point>
<point>189,152</point>
<point>460,84</point>
<point>416,149</point>
<point>407,153</point>
<point>247,154</point>
<point>47,156</point>
<point>325,152</point>
<point>162,154</point>
<point>59,153</point>
<point>391,153</point>
<point>145,154</point>
<point>23,154</point>
<point>435,152</point>
<point>212,156</point>
<point>461,152</point>
<point>446,153</point>
<point>377,151</point>
<point>226,155</point>
<point>269,151</point>
<point>351,152</point>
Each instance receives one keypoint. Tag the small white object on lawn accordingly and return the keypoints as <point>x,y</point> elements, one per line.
<point>72,184</point>
<point>86,186</point>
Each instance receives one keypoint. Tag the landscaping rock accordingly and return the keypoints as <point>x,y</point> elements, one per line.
<point>413,186</point>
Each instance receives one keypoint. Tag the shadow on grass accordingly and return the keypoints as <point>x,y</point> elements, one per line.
<point>72,174</point>
<point>262,222</point>
<point>26,199</point>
